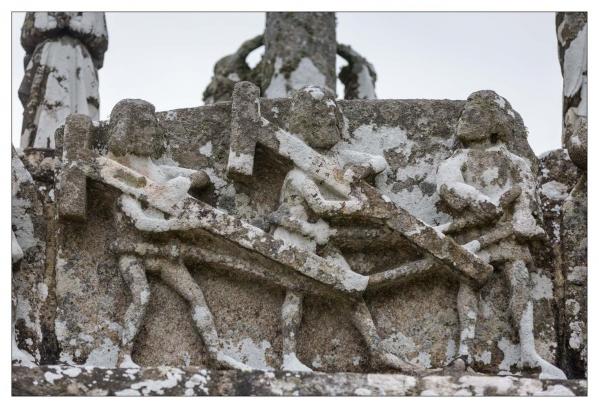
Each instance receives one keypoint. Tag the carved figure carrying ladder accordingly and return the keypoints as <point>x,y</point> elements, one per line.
<point>155,200</point>
<point>325,186</point>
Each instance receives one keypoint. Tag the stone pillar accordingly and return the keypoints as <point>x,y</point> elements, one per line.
<point>300,50</point>
<point>572,45</point>
<point>64,50</point>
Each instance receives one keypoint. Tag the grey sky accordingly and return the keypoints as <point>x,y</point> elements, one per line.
<point>167,59</point>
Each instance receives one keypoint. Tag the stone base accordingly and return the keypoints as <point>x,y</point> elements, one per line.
<point>191,381</point>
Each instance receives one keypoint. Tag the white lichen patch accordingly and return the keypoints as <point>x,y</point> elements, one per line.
<point>42,289</point>
<point>363,392</point>
<point>575,59</point>
<point>206,149</point>
<point>481,385</point>
<point>306,73</point>
<point>105,355</point>
<point>51,377</point>
<point>542,286</point>
<point>21,206</point>
<point>576,335</point>
<point>403,187</point>
<point>484,357</point>
<point>450,351</point>
<point>423,359</point>
<point>511,354</point>
<point>200,381</point>
<point>554,190</point>
<point>71,85</point>
<point>365,84</point>
<point>155,387</point>
<point>500,101</point>
<point>395,385</point>
<point>249,352</point>
<point>556,390</point>
<point>171,115</point>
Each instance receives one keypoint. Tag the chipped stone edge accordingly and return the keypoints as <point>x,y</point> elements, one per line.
<point>195,381</point>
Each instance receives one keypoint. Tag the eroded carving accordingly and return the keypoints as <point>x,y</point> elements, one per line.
<point>64,52</point>
<point>493,194</point>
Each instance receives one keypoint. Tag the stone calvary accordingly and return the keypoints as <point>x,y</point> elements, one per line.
<point>356,243</point>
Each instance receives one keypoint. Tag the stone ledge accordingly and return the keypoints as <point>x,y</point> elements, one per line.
<point>190,381</point>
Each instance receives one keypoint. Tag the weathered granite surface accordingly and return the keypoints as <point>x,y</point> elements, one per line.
<point>356,238</point>
<point>33,253</point>
<point>418,321</point>
<point>64,52</point>
<point>193,381</point>
<point>299,49</point>
<point>572,45</point>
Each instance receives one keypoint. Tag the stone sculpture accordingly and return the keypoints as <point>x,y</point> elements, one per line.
<point>301,196</point>
<point>64,52</point>
<point>493,192</point>
<point>279,228</point>
<point>282,70</point>
<point>134,138</point>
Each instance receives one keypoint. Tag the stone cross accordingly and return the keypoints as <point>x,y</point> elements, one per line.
<point>300,50</point>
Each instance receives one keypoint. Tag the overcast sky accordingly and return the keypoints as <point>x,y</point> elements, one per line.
<point>167,59</point>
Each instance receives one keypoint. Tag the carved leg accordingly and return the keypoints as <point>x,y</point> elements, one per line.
<point>521,308</point>
<point>467,313</point>
<point>291,318</point>
<point>134,274</point>
<point>176,275</point>
<point>362,320</point>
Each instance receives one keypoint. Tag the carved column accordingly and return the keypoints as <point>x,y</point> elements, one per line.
<point>64,52</point>
<point>300,50</point>
<point>572,45</point>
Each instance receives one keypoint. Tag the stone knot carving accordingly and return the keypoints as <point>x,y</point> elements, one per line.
<point>281,71</point>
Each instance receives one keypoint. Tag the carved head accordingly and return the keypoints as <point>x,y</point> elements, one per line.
<point>315,117</point>
<point>487,117</point>
<point>133,129</point>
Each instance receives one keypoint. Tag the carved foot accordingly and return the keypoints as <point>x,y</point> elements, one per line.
<point>292,363</point>
<point>125,361</point>
<point>459,365</point>
<point>392,361</point>
<point>548,370</point>
<point>227,362</point>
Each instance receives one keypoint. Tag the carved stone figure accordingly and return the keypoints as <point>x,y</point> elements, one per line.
<point>135,138</point>
<point>493,194</point>
<point>320,185</point>
<point>64,52</point>
<point>303,199</point>
<point>275,227</point>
